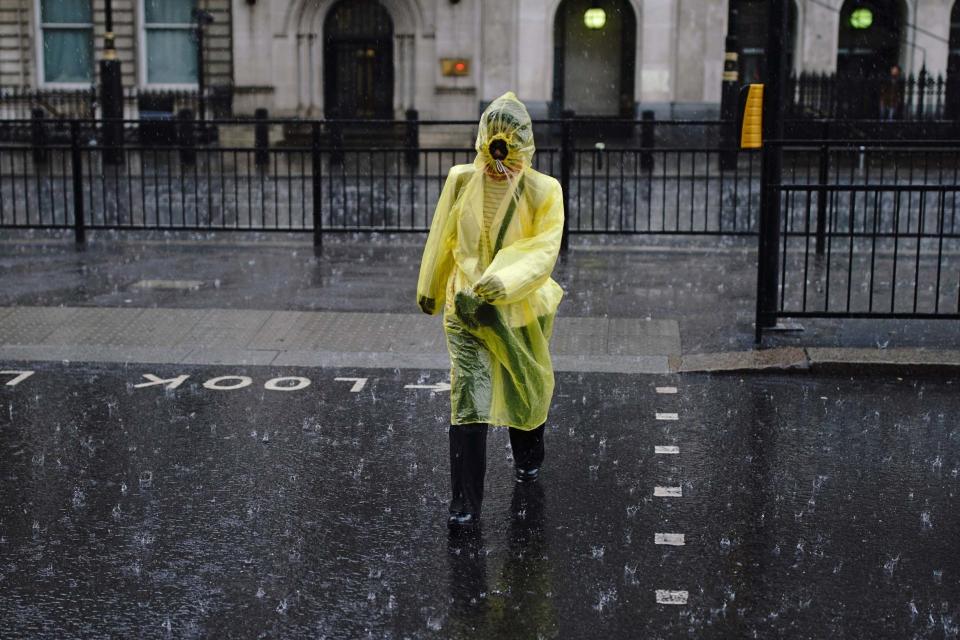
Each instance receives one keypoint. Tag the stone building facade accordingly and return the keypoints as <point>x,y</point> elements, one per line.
<point>446,58</point>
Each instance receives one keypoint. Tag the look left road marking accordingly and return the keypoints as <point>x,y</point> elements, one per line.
<point>220,383</point>
<point>20,376</point>
<point>169,383</point>
<point>358,383</point>
<point>667,416</point>
<point>665,596</point>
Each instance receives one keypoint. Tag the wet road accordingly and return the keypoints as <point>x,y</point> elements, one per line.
<point>757,506</point>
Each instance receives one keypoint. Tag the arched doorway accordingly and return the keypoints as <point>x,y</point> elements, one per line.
<point>358,59</point>
<point>869,47</point>
<point>594,60</point>
<point>953,65</point>
<point>752,38</point>
<point>871,32</point>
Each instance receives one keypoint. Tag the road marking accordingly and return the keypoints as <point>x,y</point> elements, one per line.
<point>20,376</point>
<point>168,284</point>
<point>358,383</point>
<point>672,539</point>
<point>665,596</point>
<point>666,389</point>
<point>434,388</point>
<point>667,416</point>
<point>298,383</point>
<point>668,450</point>
<point>217,383</point>
<point>169,383</point>
<point>668,492</point>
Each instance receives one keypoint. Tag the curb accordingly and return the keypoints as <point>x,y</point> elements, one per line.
<point>820,360</point>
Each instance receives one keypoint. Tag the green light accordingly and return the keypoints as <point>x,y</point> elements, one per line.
<point>595,18</point>
<point>861,18</point>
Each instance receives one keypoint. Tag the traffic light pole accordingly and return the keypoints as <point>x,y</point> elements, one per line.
<point>111,94</point>
<point>729,98</point>
<point>768,277</point>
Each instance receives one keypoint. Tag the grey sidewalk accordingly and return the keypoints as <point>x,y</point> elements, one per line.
<point>705,286</point>
<point>305,338</point>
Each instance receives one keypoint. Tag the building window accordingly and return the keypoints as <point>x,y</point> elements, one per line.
<point>67,41</point>
<point>170,46</point>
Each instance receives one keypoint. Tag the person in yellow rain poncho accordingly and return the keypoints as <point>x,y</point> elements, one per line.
<point>493,243</point>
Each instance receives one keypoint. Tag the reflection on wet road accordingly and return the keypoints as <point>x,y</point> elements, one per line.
<point>184,501</point>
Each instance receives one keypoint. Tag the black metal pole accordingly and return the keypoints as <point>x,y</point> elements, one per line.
<point>111,93</point>
<point>76,162</point>
<point>566,163</point>
<point>768,277</point>
<point>730,92</point>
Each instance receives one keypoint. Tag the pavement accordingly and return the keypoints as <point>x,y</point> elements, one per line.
<point>663,305</point>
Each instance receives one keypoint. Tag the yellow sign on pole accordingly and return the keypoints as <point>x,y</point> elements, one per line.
<point>751,118</point>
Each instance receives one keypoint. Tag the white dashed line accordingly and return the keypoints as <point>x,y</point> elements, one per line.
<point>667,450</point>
<point>667,416</point>
<point>671,597</point>
<point>668,492</point>
<point>672,539</point>
<point>666,389</point>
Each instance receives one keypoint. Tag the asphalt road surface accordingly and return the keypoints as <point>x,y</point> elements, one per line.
<point>196,501</point>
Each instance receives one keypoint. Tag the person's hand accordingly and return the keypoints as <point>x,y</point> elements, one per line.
<point>427,305</point>
<point>490,289</point>
<point>467,304</point>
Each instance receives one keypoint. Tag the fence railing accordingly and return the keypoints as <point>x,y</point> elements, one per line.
<point>24,103</point>
<point>874,233</point>
<point>908,98</point>
<point>320,180</point>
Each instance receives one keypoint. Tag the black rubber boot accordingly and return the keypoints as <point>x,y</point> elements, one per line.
<point>528,453</point>
<point>468,467</point>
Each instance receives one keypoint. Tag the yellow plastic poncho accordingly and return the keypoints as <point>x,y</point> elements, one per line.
<point>493,280</point>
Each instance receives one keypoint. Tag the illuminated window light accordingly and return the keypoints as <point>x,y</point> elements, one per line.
<point>861,18</point>
<point>595,18</point>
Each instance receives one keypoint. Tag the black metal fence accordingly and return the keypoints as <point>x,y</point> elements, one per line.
<point>873,232</point>
<point>321,180</point>
<point>908,98</point>
<point>25,103</point>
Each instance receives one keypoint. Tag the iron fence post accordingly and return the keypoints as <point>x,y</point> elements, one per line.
<point>317,184</point>
<point>261,138</point>
<point>38,136</point>
<point>823,176</point>
<point>76,161</point>
<point>566,162</point>
<point>647,140</point>
<point>412,138</point>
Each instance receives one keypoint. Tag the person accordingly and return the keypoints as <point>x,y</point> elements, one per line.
<point>492,246</point>
<point>890,95</point>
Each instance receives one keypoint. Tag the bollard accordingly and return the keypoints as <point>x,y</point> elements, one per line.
<point>38,136</point>
<point>412,139</point>
<point>76,161</point>
<point>646,140</point>
<point>824,175</point>
<point>261,138</point>
<point>335,129</point>
<point>316,161</point>
<point>186,137</point>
